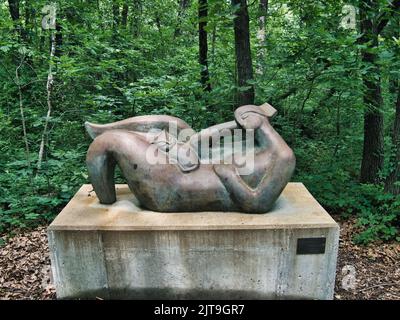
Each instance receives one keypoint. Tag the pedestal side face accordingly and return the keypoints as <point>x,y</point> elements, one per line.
<point>125,252</point>
<point>259,264</point>
<point>78,264</point>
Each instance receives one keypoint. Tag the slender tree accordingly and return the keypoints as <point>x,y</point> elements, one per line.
<point>203,46</point>
<point>58,39</point>
<point>263,10</point>
<point>136,17</point>
<point>373,152</point>
<point>124,14</point>
<point>183,6</point>
<point>49,90</point>
<point>393,179</point>
<point>14,9</point>
<point>243,53</point>
<point>115,12</point>
<point>392,182</point>
<point>28,17</point>
<point>22,111</point>
<point>372,24</point>
<point>261,34</point>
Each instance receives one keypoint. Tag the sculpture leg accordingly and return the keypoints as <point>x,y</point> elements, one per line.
<point>101,166</point>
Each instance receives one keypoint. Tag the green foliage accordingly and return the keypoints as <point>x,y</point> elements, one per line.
<point>28,200</point>
<point>379,214</point>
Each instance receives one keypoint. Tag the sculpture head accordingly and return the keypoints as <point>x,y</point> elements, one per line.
<point>252,116</point>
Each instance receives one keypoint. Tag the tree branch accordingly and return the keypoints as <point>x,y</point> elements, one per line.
<point>49,88</point>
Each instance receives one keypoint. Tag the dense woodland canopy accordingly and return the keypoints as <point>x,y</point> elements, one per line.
<point>330,68</point>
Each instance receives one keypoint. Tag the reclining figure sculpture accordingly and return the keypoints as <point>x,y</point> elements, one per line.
<point>188,181</point>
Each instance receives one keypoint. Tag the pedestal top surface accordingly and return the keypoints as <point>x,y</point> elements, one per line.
<point>295,208</point>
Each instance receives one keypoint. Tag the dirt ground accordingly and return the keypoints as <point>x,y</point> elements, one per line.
<point>363,272</point>
<point>376,266</point>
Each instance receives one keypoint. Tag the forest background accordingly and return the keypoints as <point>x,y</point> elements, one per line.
<point>330,68</point>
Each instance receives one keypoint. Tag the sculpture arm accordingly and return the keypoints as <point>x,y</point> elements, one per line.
<point>217,130</point>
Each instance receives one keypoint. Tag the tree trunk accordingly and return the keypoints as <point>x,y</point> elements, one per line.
<point>49,89</point>
<point>203,46</point>
<point>124,15</point>
<point>373,149</point>
<point>28,18</point>
<point>58,40</point>
<point>137,13</point>
<point>115,12</point>
<point>22,112</point>
<point>261,34</point>
<point>392,183</point>
<point>263,8</point>
<point>243,54</point>
<point>14,9</point>
<point>213,41</point>
<point>15,16</point>
<point>394,176</point>
<point>183,5</point>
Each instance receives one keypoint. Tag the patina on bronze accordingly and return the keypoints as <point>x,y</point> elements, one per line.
<point>189,183</point>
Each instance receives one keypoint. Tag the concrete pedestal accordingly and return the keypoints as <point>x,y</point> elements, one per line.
<point>122,251</point>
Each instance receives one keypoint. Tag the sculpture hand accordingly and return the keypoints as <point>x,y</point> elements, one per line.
<point>249,117</point>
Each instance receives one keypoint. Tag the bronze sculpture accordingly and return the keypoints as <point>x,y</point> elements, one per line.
<point>188,181</point>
